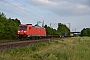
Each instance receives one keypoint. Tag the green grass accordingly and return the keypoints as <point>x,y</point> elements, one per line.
<point>76,48</point>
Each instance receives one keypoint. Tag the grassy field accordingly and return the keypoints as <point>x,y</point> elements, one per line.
<point>76,48</point>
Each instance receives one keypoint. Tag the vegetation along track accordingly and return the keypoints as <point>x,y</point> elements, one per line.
<point>9,45</point>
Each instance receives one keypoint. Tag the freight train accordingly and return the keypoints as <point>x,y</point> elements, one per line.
<point>30,31</point>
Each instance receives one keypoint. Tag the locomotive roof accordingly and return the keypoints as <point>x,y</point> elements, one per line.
<point>32,25</point>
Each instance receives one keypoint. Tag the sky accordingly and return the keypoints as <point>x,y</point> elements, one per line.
<point>73,13</point>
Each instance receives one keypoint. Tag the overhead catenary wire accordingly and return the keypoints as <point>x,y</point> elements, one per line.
<point>39,10</point>
<point>13,13</point>
<point>8,11</point>
<point>34,4</point>
<point>29,6</point>
<point>21,8</point>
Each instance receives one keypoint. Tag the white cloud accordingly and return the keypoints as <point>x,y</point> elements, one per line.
<point>81,6</point>
<point>81,9</point>
<point>65,7</point>
<point>47,2</point>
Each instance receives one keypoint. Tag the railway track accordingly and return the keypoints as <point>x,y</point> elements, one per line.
<point>4,46</point>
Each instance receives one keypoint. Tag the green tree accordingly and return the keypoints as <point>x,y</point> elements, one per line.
<point>85,32</point>
<point>8,27</point>
<point>63,28</point>
<point>48,30</point>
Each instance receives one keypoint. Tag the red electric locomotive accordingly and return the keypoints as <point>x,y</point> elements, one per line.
<point>29,31</point>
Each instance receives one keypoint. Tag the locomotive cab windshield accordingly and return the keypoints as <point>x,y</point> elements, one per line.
<point>22,27</point>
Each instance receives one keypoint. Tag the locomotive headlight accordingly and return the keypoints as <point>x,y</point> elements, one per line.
<point>18,31</point>
<point>24,31</point>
